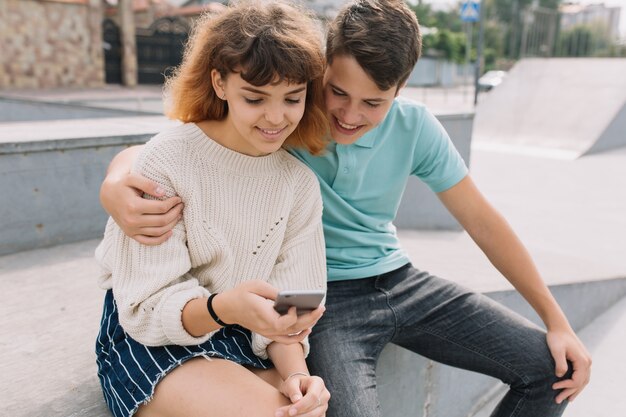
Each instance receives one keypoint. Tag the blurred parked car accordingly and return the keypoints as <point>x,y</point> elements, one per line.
<point>490,79</point>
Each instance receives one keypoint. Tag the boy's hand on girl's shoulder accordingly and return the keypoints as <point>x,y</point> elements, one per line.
<point>147,221</point>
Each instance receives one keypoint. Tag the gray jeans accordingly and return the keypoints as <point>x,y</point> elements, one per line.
<point>437,319</point>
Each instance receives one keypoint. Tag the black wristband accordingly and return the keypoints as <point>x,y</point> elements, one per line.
<point>209,306</point>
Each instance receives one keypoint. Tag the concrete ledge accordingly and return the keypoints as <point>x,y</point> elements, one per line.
<point>61,134</point>
<point>20,110</point>
<point>52,171</point>
<point>49,319</point>
<point>413,385</point>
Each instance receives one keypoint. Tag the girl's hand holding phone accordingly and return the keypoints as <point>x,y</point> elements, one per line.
<point>251,305</point>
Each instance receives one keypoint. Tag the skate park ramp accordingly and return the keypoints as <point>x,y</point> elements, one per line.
<point>559,107</point>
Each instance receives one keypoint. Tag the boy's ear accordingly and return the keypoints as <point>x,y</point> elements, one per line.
<point>218,83</point>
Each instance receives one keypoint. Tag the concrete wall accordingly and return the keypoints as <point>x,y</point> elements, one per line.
<point>51,170</point>
<point>50,191</point>
<point>420,208</point>
<point>431,71</point>
<point>48,43</point>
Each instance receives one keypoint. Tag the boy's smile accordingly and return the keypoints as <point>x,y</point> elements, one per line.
<point>355,105</point>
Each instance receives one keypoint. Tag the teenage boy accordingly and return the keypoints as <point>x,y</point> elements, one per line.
<point>375,296</point>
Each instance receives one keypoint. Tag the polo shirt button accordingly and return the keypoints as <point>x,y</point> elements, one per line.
<point>346,170</point>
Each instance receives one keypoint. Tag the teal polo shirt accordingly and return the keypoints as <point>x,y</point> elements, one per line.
<point>362,185</point>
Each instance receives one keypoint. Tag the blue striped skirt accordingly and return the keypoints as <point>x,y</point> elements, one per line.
<point>129,371</point>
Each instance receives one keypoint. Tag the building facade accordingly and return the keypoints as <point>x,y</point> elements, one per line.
<point>51,43</point>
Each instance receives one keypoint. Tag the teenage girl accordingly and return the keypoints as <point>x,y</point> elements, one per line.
<point>188,328</point>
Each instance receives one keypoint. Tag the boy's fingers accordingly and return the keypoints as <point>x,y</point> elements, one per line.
<point>573,397</point>
<point>567,383</point>
<point>157,224</point>
<point>170,207</point>
<point>563,395</point>
<point>147,186</point>
<point>152,241</point>
<point>156,231</point>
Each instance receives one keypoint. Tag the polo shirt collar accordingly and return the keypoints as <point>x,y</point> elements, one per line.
<point>368,140</point>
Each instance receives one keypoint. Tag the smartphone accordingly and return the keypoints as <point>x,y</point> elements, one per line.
<point>304,300</point>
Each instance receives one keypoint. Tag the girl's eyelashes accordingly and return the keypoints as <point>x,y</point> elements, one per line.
<point>260,100</point>
<point>337,92</point>
<point>373,105</point>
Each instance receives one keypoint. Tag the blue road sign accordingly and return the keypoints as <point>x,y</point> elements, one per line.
<point>470,11</point>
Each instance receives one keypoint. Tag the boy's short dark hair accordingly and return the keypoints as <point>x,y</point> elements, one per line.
<point>382,35</point>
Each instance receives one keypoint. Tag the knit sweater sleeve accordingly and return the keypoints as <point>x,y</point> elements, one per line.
<point>152,284</point>
<point>301,264</point>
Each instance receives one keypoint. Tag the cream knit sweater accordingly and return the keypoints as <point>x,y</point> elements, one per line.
<point>244,218</point>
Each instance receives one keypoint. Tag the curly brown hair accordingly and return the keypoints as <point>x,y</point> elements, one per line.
<point>266,43</point>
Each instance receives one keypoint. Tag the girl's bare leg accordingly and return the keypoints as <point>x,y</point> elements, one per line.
<point>216,388</point>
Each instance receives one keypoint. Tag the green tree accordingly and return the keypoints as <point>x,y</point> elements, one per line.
<point>451,45</point>
<point>509,13</point>
<point>586,40</point>
<point>448,39</point>
<point>424,14</point>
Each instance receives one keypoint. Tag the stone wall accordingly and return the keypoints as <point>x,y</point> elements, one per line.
<point>51,43</point>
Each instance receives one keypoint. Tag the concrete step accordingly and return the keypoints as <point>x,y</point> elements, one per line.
<point>49,313</point>
<point>50,307</point>
<point>410,385</point>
